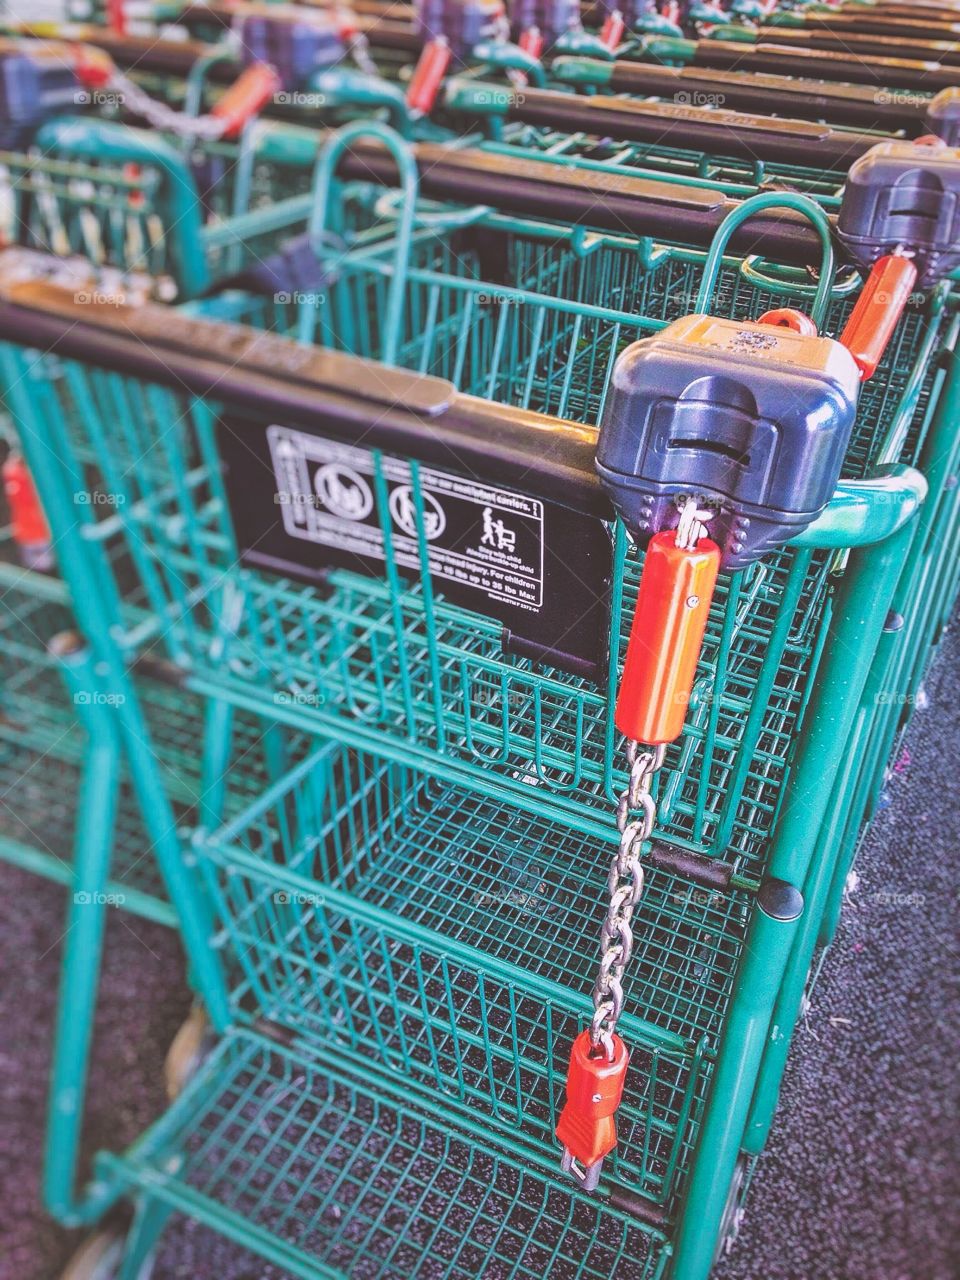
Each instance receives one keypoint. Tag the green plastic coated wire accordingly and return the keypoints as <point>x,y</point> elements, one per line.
<point>323,203</point>
<point>754,205</point>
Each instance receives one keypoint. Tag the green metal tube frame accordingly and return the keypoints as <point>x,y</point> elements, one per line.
<point>101,141</point>
<point>863,599</point>
<point>83,946</point>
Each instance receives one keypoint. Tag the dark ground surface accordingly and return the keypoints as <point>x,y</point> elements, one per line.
<point>861,1180</point>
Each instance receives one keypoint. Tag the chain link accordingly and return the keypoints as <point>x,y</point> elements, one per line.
<point>358,47</point>
<point>625,880</point>
<point>204,128</point>
<point>625,884</point>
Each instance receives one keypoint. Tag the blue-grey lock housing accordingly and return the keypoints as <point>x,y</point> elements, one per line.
<point>552,18</point>
<point>296,42</point>
<point>904,195</point>
<point>942,118</point>
<point>37,82</point>
<point>462,23</point>
<point>752,419</point>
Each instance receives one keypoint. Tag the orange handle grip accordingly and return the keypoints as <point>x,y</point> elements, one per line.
<point>246,97</point>
<point>428,76</point>
<point>587,1126</point>
<point>611,33</point>
<point>673,603</point>
<point>531,41</point>
<point>878,309</point>
<point>28,524</point>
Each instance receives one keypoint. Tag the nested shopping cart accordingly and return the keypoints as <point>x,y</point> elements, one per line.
<point>130,203</point>
<point>401,951</point>
<point>62,776</point>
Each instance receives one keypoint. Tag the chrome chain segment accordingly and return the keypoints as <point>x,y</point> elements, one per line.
<point>625,884</point>
<point>204,128</point>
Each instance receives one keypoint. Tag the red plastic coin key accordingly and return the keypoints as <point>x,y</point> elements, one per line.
<point>28,524</point>
<point>673,603</point>
<point>878,311</point>
<point>611,33</point>
<point>116,16</point>
<point>531,42</point>
<point>587,1126</point>
<point>428,76</point>
<point>246,97</point>
<point>671,11</point>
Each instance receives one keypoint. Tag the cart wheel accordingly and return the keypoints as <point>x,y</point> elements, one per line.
<point>733,1213</point>
<point>98,1258</point>
<point>187,1050</point>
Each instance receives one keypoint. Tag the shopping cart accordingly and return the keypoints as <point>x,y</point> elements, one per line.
<point>453,732</point>
<point>61,764</point>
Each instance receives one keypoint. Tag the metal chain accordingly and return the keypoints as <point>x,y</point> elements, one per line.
<point>625,883</point>
<point>204,128</point>
<point>625,880</point>
<point>358,46</point>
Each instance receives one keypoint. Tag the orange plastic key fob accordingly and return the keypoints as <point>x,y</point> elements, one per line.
<point>878,311</point>
<point>587,1126</point>
<point>531,42</point>
<point>28,524</point>
<point>246,97</point>
<point>428,76</point>
<point>673,603</point>
<point>611,33</point>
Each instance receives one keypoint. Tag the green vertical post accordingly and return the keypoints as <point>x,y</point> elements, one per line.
<point>759,1025</point>
<point>867,588</point>
<point>83,939</point>
<point>86,569</point>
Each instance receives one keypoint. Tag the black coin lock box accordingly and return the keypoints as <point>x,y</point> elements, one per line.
<point>550,17</point>
<point>904,195</point>
<point>294,41</point>
<point>943,116</point>
<point>462,23</point>
<point>753,419</point>
<point>37,82</point>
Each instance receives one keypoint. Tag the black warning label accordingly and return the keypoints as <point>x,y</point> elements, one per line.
<point>303,504</point>
<point>475,534</point>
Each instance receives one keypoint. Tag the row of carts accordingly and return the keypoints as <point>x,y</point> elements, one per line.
<point>481,501</point>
